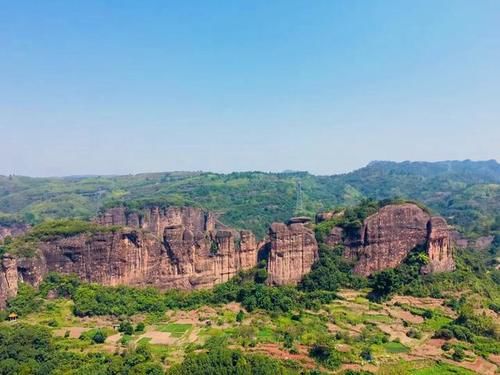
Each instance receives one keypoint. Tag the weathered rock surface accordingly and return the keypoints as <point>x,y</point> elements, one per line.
<point>328,215</point>
<point>13,230</point>
<point>187,248</point>
<point>8,279</point>
<point>439,247</point>
<point>174,247</point>
<point>292,252</point>
<point>387,237</point>
<point>156,219</point>
<point>480,243</point>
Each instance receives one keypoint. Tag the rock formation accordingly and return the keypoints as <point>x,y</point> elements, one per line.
<point>175,247</point>
<point>438,247</point>
<point>187,248</point>
<point>13,230</point>
<point>387,237</point>
<point>480,243</point>
<point>292,252</point>
<point>8,279</point>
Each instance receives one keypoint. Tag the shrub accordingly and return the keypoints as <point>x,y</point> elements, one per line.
<point>126,328</point>
<point>443,333</point>
<point>140,327</point>
<point>414,334</point>
<point>325,355</point>
<point>99,337</point>
<point>240,316</point>
<point>446,346</point>
<point>458,354</point>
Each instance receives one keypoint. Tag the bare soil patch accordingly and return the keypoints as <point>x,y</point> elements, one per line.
<point>479,365</point>
<point>396,331</point>
<point>74,332</point>
<point>424,303</point>
<point>495,358</point>
<point>430,348</point>
<point>113,339</point>
<point>158,338</point>
<point>356,367</point>
<point>275,351</point>
<point>399,313</point>
<point>349,295</point>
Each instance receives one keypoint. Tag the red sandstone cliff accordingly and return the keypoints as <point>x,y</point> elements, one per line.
<point>185,247</point>
<point>292,252</point>
<point>387,237</point>
<point>8,279</point>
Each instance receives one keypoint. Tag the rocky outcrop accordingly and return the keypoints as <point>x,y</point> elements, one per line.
<point>174,247</point>
<point>187,248</point>
<point>480,243</point>
<point>13,230</point>
<point>387,237</point>
<point>439,247</point>
<point>8,279</point>
<point>156,219</point>
<point>292,252</point>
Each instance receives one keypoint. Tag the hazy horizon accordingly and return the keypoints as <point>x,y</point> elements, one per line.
<point>244,171</point>
<point>116,88</point>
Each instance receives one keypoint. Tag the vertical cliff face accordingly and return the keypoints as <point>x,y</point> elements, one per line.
<point>178,247</point>
<point>185,247</point>
<point>8,279</point>
<point>387,237</point>
<point>292,252</point>
<point>439,247</point>
<point>156,219</point>
<point>124,257</point>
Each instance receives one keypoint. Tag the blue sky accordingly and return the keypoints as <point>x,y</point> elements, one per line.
<point>105,87</point>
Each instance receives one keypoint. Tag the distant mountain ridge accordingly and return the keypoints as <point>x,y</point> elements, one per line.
<point>466,193</point>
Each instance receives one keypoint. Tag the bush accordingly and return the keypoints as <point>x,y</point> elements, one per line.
<point>461,333</point>
<point>326,356</point>
<point>443,333</point>
<point>140,327</point>
<point>414,333</point>
<point>240,316</point>
<point>331,272</point>
<point>261,276</point>
<point>126,328</point>
<point>446,346</point>
<point>458,354</point>
<point>99,337</point>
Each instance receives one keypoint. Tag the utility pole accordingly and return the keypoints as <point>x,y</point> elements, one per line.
<point>299,201</point>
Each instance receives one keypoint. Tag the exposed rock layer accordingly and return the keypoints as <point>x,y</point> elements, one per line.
<point>185,247</point>
<point>13,230</point>
<point>8,279</point>
<point>386,238</point>
<point>292,252</point>
<point>176,247</point>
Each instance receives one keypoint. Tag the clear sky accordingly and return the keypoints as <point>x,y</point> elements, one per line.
<point>106,87</point>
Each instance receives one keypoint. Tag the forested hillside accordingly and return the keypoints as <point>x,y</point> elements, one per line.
<point>467,193</point>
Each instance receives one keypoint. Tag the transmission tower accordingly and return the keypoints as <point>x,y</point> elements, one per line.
<point>299,201</point>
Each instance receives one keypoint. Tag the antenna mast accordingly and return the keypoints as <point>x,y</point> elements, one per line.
<point>299,201</point>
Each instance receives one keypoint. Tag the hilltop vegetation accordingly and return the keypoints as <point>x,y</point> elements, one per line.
<point>466,193</point>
